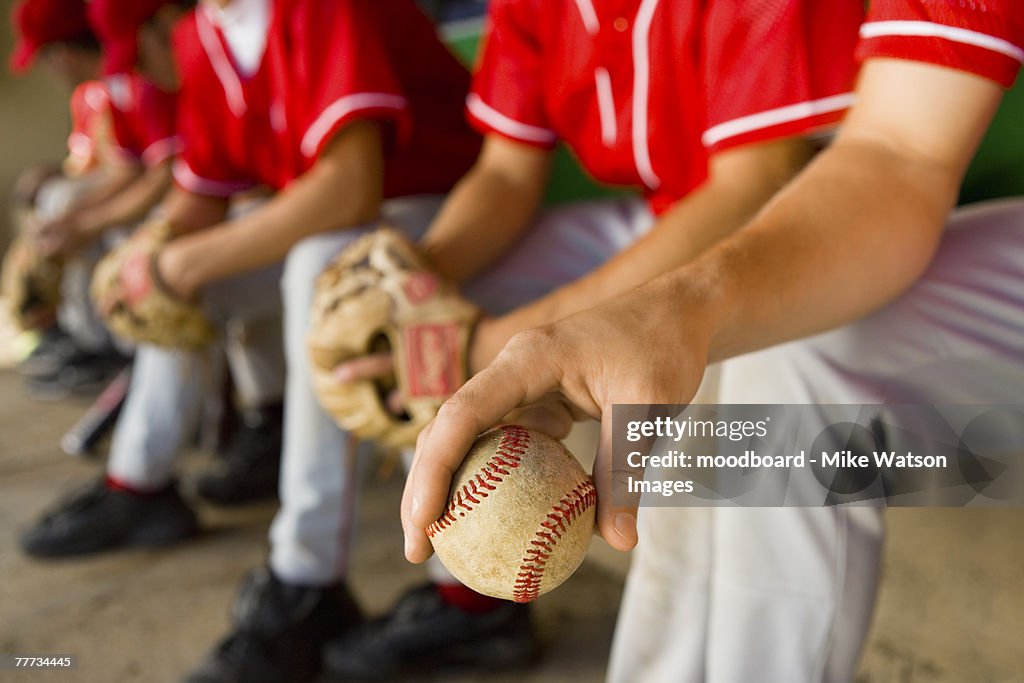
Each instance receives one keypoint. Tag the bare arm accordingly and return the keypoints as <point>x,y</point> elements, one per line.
<point>188,212</point>
<point>488,209</point>
<point>131,204</point>
<point>855,229</point>
<point>740,181</point>
<point>113,179</point>
<point>343,189</point>
<point>861,224</point>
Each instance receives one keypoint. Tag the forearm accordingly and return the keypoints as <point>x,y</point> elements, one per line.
<point>342,190</point>
<point>848,236</point>
<point>131,204</point>
<point>742,181</point>
<point>488,210</point>
<point>859,226</point>
<point>111,181</point>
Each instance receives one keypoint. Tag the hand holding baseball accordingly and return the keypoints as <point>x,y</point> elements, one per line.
<point>581,365</point>
<point>519,517</point>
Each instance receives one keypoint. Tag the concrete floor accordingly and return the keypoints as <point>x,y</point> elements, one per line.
<point>951,607</point>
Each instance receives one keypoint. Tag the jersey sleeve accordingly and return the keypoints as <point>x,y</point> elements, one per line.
<point>983,37</point>
<point>341,56</point>
<point>159,113</point>
<point>776,68</point>
<point>144,120</point>
<point>507,95</point>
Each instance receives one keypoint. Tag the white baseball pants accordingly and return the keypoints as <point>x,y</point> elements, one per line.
<point>785,595</point>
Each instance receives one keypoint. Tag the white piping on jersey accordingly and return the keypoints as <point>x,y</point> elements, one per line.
<point>774,117</point>
<point>96,96</point>
<point>188,179</point>
<point>641,93</point>
<point>160,150</point>
<point>220,62</point>
<point>606,107</point>
<point>341,108</point>
<point>510,127</point>
<point>80,144</point>
<point>589,16</point>
<point>120,91</point>
<point>927,29</point>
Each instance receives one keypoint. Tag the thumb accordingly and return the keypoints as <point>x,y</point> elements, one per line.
<point>616,505</point>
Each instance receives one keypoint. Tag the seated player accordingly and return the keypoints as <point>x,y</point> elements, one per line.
<point>931,315</point>
<point>76,355</point>
<point>706,120</point>
<point>351,111</point>
<point>137,502</point>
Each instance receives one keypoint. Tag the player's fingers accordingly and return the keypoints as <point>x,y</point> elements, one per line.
<point>616,506</point>
<point>417,546</point>
<point>515,378</point>
<point>364,368</point>
<point>394,402</point>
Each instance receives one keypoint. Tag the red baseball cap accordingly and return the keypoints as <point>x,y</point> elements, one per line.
<point>117,23</point>
<point>41,22</point>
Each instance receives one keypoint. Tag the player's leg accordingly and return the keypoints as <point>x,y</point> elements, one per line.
<point>137,501</point>
<point>660,631</point>
<point>956,337</point>
<point>303,590</point>
<point>248,466</point>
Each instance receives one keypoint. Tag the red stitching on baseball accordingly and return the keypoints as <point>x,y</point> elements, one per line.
<point>531,571</point>
<point>508,456</point>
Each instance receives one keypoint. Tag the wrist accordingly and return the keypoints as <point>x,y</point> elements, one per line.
<point>90,223</point>
<point>174,273</point>
<point>701,314</point>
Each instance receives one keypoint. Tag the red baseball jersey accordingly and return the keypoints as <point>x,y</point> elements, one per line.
<point>144,118</point>
<point>983,37</point>
<point>643,90</point>
<point>324,66</point>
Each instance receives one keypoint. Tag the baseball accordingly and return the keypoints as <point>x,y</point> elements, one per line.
<point>519,517</point>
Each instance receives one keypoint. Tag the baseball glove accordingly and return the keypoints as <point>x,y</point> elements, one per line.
<point>380,292</point>
<point>31,282</point>
<point>133,302</point>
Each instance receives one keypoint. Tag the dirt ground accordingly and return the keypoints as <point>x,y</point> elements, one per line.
<point>951,607</point>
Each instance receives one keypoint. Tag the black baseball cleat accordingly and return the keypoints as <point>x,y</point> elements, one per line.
<point>81,373</point>
<point>423,634</point>
<point>248,468</point>
<point>99,519</point>
<point>279,632</point>
<point>54,348</point>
